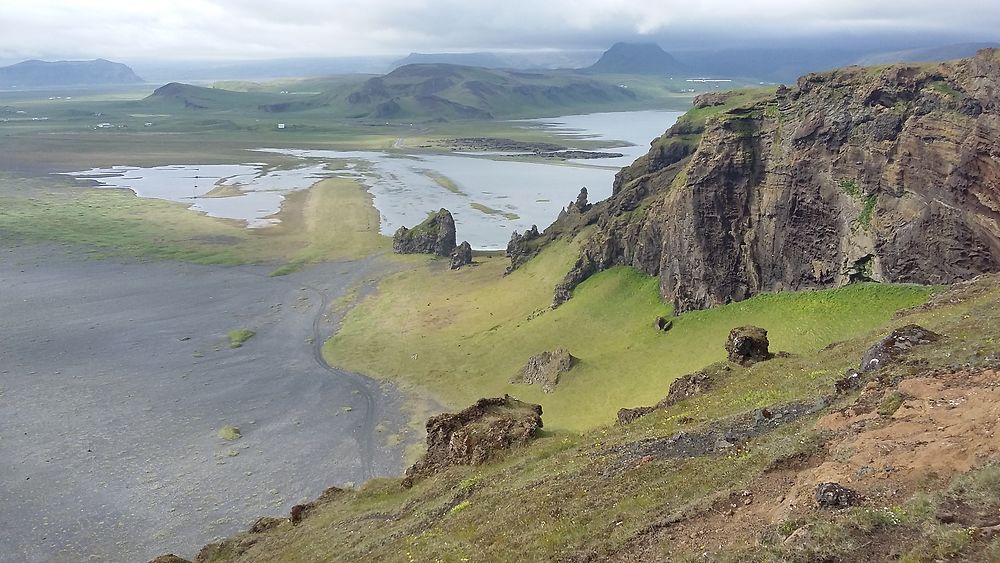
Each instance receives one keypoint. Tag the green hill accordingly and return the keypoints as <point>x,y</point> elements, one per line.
<point>445,91</point>
<point>201,98</point>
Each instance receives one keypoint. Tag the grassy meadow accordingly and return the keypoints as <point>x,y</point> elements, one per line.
<point>462,335</point>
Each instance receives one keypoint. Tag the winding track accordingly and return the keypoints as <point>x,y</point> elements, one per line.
<point>366,432</point>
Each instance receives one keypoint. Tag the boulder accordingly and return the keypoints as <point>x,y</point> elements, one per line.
<point>663,324</point>
<point>436,235</point>
<point>833,495</point>
<point>544,369</point>
<point>895,344</point>
<point>475,435</point>
<point>462,256</point>
<point>748,345</point>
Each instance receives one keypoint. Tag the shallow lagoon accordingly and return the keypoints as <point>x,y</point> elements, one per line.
<point>490,198</point>
<point>249,192</point>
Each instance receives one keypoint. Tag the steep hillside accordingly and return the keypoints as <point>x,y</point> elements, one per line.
<point>882,174</point>
<point>785,460</point>
<point>636,58</point>
<point>41,74</point>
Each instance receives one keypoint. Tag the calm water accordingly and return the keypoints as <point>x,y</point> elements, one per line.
<point>637,128</point>
<point>489,198</point>
<point>260,189</point>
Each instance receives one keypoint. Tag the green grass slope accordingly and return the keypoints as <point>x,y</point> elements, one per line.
<point>463,335</point>
<point>574,496</point>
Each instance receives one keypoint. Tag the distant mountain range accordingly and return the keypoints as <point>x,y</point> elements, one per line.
<point>427,92</point>
<point>43,74</point>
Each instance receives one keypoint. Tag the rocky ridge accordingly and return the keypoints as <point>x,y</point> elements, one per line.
<point>860,174</point>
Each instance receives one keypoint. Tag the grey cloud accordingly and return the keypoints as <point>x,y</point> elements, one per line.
<point>267,28</point>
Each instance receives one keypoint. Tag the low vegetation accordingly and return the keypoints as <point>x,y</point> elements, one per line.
<point>230,433</point>
<point>463,335</point>
<point>597,496</point>
<point>239,337</point>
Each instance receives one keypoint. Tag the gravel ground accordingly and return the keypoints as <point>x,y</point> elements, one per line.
<point>116,376</point>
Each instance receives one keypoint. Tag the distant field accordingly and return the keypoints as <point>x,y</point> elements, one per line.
<point>333,220</point>
<point>462,335</point>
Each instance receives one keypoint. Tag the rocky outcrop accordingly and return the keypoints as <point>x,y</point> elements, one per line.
<point>889,174</point>
<point>835,495</point>
<point>545,369</point>
<point>581,205</point>
<point>682,388</point>
<point>894,345</point>
<point>475,435</point>
<point>436,235</point>
<point>300,512</point>
<point>462,255</point>
<point>520,248</point>
<point>747,345</point>
<point>711,99</point>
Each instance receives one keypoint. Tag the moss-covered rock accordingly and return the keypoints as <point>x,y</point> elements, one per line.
<point>436,235</point>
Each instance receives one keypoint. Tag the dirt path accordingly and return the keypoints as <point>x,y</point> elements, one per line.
<point>360,384</point>
<point>115,378</point>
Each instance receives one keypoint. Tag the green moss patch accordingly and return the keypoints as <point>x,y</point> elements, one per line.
<point>238,337</point>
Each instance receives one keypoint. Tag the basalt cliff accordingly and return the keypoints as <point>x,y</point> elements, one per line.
<point>861,174</point>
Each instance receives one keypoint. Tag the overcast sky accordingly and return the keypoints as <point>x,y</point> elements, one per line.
<point>247,29</point>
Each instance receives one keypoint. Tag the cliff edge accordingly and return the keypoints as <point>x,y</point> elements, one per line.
<point>860,174</point>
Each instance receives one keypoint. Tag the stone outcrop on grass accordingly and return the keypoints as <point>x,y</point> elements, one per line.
<point>462,256</point>
<point>475,435</point>
<point>520,249</point>
<point>747,345</point>
<point>894,345</point>
<point>545,369</point>
<point>682,388</point>
<point>436,235</point>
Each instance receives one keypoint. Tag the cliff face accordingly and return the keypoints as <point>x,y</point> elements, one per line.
<point>886,174</point>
